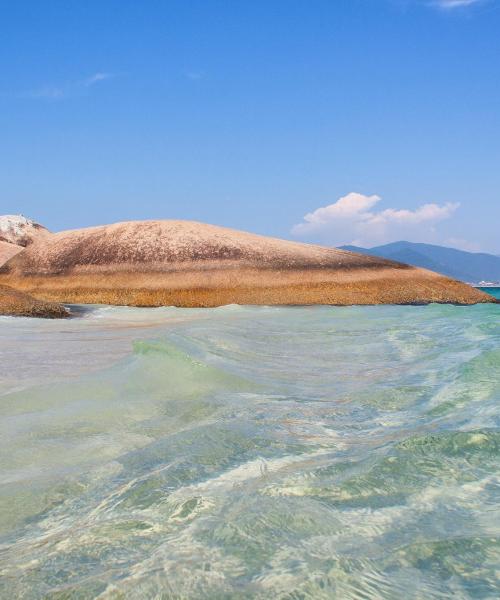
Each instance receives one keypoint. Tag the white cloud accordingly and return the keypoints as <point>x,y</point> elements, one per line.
<point>450,4</point>
<point>351,220</point>
<point>462,244</point>
<point>62,90</point>
<point>195,75</point>
<point>46,92</point>
<point>95,78</point>
<point>441,5</point>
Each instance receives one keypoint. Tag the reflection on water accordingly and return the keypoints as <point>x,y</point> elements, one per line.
<point>251,453</point>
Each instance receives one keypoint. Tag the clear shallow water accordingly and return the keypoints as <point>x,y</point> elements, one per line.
<point>494,291</point>
<point>251,453</point>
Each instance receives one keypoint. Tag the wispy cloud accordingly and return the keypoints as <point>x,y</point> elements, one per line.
<point>451,4</point>
<point>462,244</point>
<point>352,220</point>
<point>195,75</point>
<point>96,78</point>
<point>47,92</point>
<point>62,90</point>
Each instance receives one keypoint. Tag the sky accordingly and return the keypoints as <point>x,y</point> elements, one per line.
<point>326,121</point>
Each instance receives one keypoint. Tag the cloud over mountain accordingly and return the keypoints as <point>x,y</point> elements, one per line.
<point>352,220</point>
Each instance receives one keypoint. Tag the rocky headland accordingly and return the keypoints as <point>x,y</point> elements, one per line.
<point>14,303</point>
<point>184,263</point>
<point>16,233</point>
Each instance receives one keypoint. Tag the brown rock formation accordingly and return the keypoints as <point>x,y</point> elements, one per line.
<point>182,263</point>
<point>19,304</point>
<point>20,231</point>
<point>17,232</point>
<point>7,251</point>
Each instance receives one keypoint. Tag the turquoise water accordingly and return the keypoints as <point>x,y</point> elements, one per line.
<point>239,452</point>
<point>494,291</point>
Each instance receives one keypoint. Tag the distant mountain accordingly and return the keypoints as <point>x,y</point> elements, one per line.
<point>471,267</point>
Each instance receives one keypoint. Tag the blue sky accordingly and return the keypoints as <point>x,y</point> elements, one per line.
<point>256,115</point>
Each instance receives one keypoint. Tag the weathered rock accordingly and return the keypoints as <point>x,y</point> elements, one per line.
<point>7,251</point>
<point>182,263</point>
<point>17,232</point>
<point>20,231</point>
<point>19,304</point>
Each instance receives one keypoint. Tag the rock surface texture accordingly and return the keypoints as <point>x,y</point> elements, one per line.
<point>18,304</point>
<point>16,229</point>
<point>183,263</point>
<point>17,232</point>
<point>7,251</point>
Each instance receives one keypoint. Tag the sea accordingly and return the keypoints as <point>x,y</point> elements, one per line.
<point>251,452</point>
<point>493,291</point>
